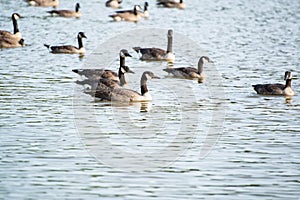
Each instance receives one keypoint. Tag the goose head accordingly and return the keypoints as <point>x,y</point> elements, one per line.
<point>146,6</point>
<point>136,9</point>
<point>148,75</point>
<point>205,59</point>
<point>125,69</point>
<point>288,75</point>
<point>16,16</point>
<point>124,53</point>
<point>77,7</point>
<point>170,33</point>
<point>81,35</point>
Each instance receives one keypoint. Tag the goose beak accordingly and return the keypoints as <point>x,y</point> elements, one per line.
<point>210,61</point>
<point>127,54</point>
<point>130,71</point>
<point>155,77</point>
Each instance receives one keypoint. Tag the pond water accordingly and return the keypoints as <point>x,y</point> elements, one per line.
<point>213,140</point>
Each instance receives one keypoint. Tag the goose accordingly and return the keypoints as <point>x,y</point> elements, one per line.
<point>190,72</point>
<point>277,88</point>
<point>127,15</point>
<point>11,43</point>
<point>157,54</point>
<point>127,95</point>
<point>145,14</point>
<point>12,36</point>
<point>94,75</point>
<point>109,82</point>
<point>67,13</point>
<point>172,4</point>
<point>69,48</point>
<point>43,3</point>
<point>103,73</point>
<point>113,3</point>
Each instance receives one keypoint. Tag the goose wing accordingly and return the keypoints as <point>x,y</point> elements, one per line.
<point>269,89</point>
<point>64,49</point>
<point>152,53</point>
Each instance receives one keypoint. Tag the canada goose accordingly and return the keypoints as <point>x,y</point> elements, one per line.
<point>127,95</point>
<point>67,13</point>
<point>113,3</point>
<point>94,75</point>
<point>108,82</point>
<point>11,43</point>
<point>127,15</point>
<point>145,14</point>
<point>17,34</point>
<point>43,3</point>
<point>190,72</point>
<point>277,88</point>
<point>103,73</point>
<point>111,83</point>
<point>157,54</point>
<point>172,4</point>
<point>69,48</point>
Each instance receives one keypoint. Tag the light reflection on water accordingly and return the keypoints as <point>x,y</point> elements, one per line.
<point>257,156</point>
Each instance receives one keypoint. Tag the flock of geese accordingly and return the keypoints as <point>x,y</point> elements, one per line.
<point>108,85</point>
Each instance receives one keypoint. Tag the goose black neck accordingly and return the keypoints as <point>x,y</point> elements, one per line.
<point>16,29</point>
<point>145,7</point>
<point>170,40</point>
<point>200,66</point>
<point>144,88</point>
<point>135,11</point>
<point>80,44</point>
<point>77,8</point>
<point>121,77</point>
<point>288,83</point>
<point>122,61</point>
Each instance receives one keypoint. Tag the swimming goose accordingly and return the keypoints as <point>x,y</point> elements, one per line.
<point>190,72</point>
<point>94,75</point>
<point>111,83</point>
<point>145,14</point>
<point>157,54</point>
<point>172,4</point>
<point>277,88</point>
<point>103,73</point>
<point>127,15</point>
<point>43,3</point>
<point>69,48</point>
<point>67,13</point>
<point>127,95</point>
<point>16,36</point>
<point>113,3</point>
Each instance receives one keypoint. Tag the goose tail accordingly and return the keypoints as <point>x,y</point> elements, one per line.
<point>137,49</point>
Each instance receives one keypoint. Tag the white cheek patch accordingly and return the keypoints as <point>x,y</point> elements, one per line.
<point>123,70</point>
<point>148,77</point>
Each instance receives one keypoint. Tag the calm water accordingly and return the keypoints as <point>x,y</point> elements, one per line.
<point>58,143</point>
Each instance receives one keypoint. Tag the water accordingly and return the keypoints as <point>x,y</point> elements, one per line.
<point>44,153</point>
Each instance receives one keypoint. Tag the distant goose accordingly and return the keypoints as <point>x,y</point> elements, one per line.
<point>67,13</point>
<point>127,15</point>
<point>157,54</point>
<point>44,3</point>
<point>113,3</point>
<point>122,79</point>
<point>190,72</point>
<point>127,95</point>
<point>172,4</point>
<point>11,43</point>
<point>94,75</point>
<point>69,48</point>
<point>145,14</point>
<point>277,88</point>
